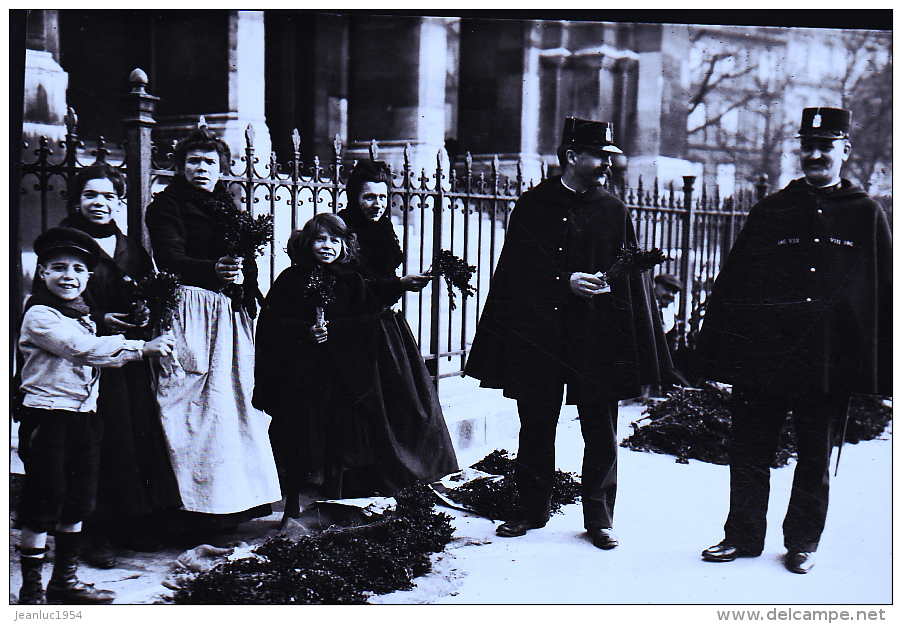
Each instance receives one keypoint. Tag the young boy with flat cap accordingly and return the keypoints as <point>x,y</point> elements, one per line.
<point>60,432</point>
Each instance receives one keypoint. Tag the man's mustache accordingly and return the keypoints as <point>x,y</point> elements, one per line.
<point>811,162</point>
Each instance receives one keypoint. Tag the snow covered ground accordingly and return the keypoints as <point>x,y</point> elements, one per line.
<point>666,514</point>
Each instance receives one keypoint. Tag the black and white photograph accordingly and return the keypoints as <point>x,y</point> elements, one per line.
<point>380,306</point>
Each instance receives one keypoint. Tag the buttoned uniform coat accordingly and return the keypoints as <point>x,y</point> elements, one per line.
<point>533,329</point>
<point>804,300</point>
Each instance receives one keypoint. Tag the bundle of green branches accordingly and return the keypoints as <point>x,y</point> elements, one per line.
<point>159,293</point>
<point>457,274</point>
<point>497,499</point>
<point>632,260</point>
<point>245,236</point>
<point>338,566</point>
<point>695,424</point>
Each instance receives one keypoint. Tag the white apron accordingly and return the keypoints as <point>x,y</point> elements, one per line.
<point>218,442</point>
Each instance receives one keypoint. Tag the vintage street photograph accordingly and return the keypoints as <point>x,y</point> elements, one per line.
<point>377,306</point>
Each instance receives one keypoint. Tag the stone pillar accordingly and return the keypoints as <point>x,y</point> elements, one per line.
<point>397,87</point>
<point>211,63</point>
<point>661,117</point>
<point>45,80</point>
<point>246,86</point>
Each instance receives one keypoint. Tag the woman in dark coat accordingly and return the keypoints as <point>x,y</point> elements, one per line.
<point>413,439</point>
<point>135,476</point>
<point>218,442</point>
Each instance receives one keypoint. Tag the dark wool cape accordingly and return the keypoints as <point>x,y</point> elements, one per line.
<point>804,300</point>
<point>534,328</point>
<point>412,418</point>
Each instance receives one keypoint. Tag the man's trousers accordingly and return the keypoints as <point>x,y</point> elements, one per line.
<point>535,464</point>
<point>757,421</point>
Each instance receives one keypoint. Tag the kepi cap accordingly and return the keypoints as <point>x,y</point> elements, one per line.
<point>827,123</point>
<point>68,239</point>
<point>592,134</point>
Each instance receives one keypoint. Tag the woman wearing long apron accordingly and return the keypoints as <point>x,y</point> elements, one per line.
<point>218,442</point>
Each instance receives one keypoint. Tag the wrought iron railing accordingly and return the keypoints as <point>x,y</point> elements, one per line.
<point>455,208</point>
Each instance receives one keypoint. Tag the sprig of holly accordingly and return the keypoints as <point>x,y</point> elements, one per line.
<point>159,293</point>
<point>245,236</point>
<point>632,260</point>
<point>457,274</point>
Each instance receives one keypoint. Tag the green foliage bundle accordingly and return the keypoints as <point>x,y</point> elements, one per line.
<point>632,260</point>
<point>338,566</point>
<point>695,424</point>
<point>496,498</point>
<point>457,274</point>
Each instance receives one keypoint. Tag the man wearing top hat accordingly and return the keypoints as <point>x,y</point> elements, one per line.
<point>551,321</point>
<point>800,316</point>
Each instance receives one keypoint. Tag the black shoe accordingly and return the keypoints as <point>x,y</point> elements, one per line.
<point>603,538</point>
<point>725,551</point>
<point>64,586</point>
<point>799,562</point>
<point>99,556</point>
<point>32,592</point>
<point>516,528</point>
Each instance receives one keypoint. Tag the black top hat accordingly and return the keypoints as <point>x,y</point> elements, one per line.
<point>592,134</point>
<point>827,123</point>
<point>68,239</point>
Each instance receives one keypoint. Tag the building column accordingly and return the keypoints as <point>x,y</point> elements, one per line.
<point>247,88</point>
<point>397,87</point>
<point>45,80</point>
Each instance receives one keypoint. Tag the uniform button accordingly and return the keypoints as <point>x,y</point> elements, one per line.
<point>560,249</point>
<point>817,240</point>
<point>808,299</point>
<point>812,269</point>
<point>555,309</point>
<point>565,219</point>
<point>558,278</point>
<point>819,211</point>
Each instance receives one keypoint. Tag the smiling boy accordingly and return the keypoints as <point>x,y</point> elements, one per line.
<point>60,432</point>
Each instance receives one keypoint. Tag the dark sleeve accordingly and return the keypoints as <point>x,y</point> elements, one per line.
<point>168,241</point>
<point>386,290</point>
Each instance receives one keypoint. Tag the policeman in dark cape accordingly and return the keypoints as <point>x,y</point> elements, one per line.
<point>800,316</point>
<point>551,320</point>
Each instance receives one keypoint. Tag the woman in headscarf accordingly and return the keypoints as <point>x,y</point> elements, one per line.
<point>407,423</point>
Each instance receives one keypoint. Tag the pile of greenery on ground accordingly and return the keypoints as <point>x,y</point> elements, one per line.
<point>496,498</point>
<point>342,565</point>
<point>695,423</point>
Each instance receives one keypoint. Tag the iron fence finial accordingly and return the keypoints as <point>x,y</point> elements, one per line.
<point>201,121</point>
<point>249,134</point>
<point>374,150</point>
<point>71,120</point>
<point>138,80</point>
<point>296,139</point>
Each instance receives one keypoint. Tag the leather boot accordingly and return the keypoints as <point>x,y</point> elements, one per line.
<point>32,592</point>
<point>64,586</point>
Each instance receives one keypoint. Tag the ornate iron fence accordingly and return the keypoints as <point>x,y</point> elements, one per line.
<point>454,208</point>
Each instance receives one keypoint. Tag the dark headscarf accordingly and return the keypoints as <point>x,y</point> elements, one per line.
<point>380,251</point>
